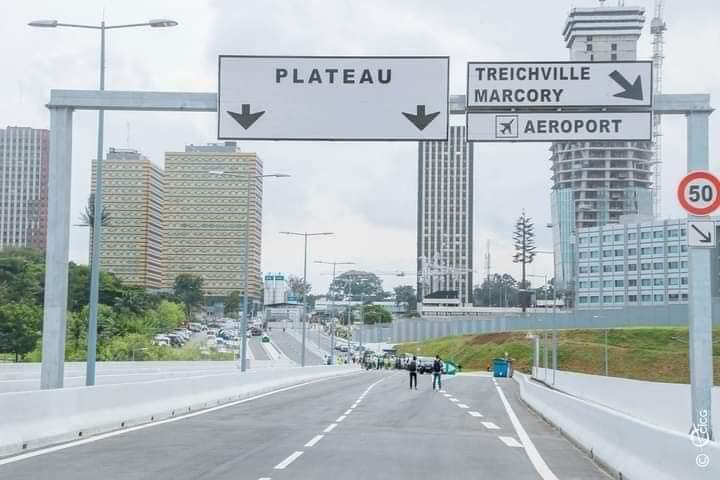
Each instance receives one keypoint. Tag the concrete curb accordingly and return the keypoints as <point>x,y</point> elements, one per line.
<point>34,419</point>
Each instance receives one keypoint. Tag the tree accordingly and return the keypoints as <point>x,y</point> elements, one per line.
<point>22,273</point>
<point>232,304</point>
<point>19,328</point>
<point>375,314</point>
<point>498,291</point>
<point>356,284</point>
<point>524,238</point>
<point>406,293</point>
<point>87,217</point>
<point>169,316</point>
<point>298,287</point>
<point>188,288</point>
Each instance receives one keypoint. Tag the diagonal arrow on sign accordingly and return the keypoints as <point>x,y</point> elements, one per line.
<point>421,119</point>
<point>245,118</point>
<point>706,237</point>
<point>633,91</point>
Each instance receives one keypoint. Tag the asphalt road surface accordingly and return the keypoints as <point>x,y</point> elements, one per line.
<point>292,348</point>
<point>255,345</point>
<point>365,426</point>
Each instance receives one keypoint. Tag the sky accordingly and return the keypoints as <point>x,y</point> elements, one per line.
<point>364,192</point>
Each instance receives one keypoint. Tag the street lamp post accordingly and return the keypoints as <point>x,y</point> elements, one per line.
<point>332,302</point>
<point>304,293</point>
<point>97,216</point>
<point>246,266</point>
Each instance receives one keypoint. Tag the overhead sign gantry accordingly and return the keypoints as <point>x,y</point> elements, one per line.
<point>333,98</point>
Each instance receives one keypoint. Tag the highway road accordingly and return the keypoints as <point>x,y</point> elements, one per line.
<point>364,426</point>
<point>255,345</point>
<point>292,347</point>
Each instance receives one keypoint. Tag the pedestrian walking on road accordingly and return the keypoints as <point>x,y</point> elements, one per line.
<point>412,368</point>
<point>437,372</point>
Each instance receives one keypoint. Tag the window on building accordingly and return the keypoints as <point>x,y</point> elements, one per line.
<point>607,299</point>
<point>583,269</point>
<point>645,282</point>
<point>658,266</point>
<point>683,232</point>
<point>674,233</point>
<point>632,236</point>
<point>606,238</point>
<point>594,299</point>
<point>594,284</point>
<point>673,297</point>
<point>658,282</point>
<point>620,283</point>
<point>594,254</point>
<point>645,251</point>
<point>684,296</point>
<point>632,251</point>
<point>583,299</point>
<point>646,266</point>
<point>593,240</point>
<point>613,47</point>
<point>683,281</point>
<point>673,281</point>
<point>607,283</point>
<point>619,268</point>
<point>683,248</point>
<point>658,250</point>
<point>632,282</point>
<point>672,265</point>
<point>632,298</point>
<point>588,47</point>
<point>645,298</point>
<point>594,269</point>
<point>582,284</point>
<point>619,298</point>
<point>673,248</point>
<point>618,237</point>
<point>659,298</point>
<point>618,253</point>
<point>607,268</point>
<point>684,264</point>
<point>607,253</point>
<point>658,234</point>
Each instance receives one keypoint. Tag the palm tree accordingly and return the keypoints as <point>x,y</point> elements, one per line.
<point>87,217</point>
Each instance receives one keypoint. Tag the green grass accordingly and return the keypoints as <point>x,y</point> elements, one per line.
<point>657,354</point>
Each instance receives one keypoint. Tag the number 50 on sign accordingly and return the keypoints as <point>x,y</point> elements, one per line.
<point>699,193</point>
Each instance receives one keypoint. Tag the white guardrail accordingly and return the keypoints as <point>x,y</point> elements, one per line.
<point>627,447</point>
<point>43,417</point>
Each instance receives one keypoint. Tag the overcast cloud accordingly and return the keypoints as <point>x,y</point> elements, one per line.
<point>366,193</point>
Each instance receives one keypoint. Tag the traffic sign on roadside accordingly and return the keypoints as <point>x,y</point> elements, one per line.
<point>699,193</point>
<point>701,234</point>
<point>505,85</point>
<point>558,126</point>
<point>333,98</point>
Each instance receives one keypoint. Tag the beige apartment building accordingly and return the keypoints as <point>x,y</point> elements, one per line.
<point>132,198</point>
<point>206,218</point>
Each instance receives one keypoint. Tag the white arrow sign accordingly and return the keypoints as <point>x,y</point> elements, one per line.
<point>701,234</point>
<point>333,98</point>
<point>558,126</point>
<point>561,84</point>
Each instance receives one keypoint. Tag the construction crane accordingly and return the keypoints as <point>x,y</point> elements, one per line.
<point>657,29</point>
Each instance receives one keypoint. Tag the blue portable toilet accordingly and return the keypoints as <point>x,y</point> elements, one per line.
<point>502,367</point>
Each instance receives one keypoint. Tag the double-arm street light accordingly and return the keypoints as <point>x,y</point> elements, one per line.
<point>304,293</point>
<point>246,267</point>
<point>332,301</point>
<point>97,224</point>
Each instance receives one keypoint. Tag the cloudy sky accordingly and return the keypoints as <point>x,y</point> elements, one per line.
<point>365,192</point>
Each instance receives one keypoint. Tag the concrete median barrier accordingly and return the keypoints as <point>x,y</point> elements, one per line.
<point>628,447</point>
<point>35,419</point>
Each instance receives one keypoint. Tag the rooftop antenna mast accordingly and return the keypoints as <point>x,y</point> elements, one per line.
<point>657,29</point>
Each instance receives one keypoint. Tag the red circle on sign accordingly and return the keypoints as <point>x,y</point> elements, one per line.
<point>686,203</point>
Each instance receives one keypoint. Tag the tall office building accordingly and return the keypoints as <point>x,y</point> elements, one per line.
<point>131,245</point>
<point>24,155</point>
<point>206,218</point>
<point>595,183</point>
<point>445,216</point>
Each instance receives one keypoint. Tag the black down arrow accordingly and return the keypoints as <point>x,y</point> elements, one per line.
<point>246,119</point>
<point>706,237</point>
<point>633,91</point>
<point>421,119</point>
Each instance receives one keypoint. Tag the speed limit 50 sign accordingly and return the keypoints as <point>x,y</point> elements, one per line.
<point>699,193</point>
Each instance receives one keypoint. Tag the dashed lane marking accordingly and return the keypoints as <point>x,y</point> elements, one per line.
<point>348,411</point>
<point>330,428</point>
<point>282,465</point>
<point>454,400</point>
<point>462,405</point>
<point>314,440</point>
<point>341,418</point>
<point>475,414</point>
<point>510,442</point>
<point>490,426</point>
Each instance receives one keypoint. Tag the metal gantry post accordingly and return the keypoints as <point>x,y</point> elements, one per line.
<point>244,322</point>
<point>699,289</point>
<point>606,353</point>
<point>304,303</point>
<point>56,255</point>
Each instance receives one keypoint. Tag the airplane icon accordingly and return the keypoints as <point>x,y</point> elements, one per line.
<point>506,126</point>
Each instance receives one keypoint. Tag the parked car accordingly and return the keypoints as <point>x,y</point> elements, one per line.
<point>161,340</point>
<point>256,332</point>
<point>425,364</point>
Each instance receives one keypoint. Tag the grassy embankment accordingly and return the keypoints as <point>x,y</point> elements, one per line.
<point>657,354</point>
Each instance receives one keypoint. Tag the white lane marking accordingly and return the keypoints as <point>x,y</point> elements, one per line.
<point>354,405</point>
<point>314,440</point>
<point>330,428</point>
<point>532,453</point>
<point>348,411</point>
<point>288,461</point>
<point>454,400</point>
<point>103,436</point>
<point>341,418</point>
<point>475,414</point>
<point>462,405</point>
<point>448,395</point>
<point>490,426</point>
<point>511,442</point>
<point>265,478</point>
<point>442,391</point>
